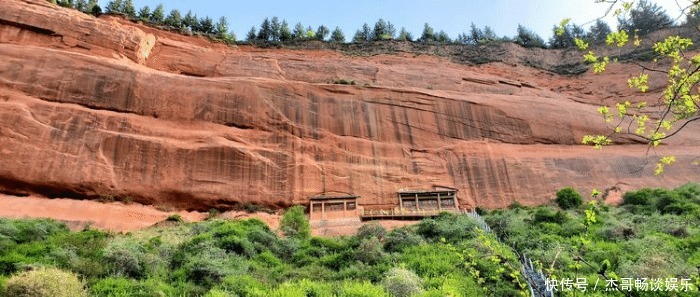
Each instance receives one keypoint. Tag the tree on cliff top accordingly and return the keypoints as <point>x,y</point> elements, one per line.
<point>145,14</point>
<point>337,35</point>
<point>128,9</point>
<point>645,17</point>
<point>114,6</point>
<point>527,38</point>
<point>174,19</point>
<point>651,122</point>
<point>158,15</point>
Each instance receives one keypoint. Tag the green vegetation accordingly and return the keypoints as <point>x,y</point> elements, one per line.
<point>447,255</point>
<point>44,282</point>
<point>673,61</point>
<point>654,234</point>
<point>641,19</point>
<point>568,198</point>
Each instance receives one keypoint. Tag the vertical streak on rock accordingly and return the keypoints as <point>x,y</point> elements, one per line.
<point>313,113</point>
<point>395,123</point>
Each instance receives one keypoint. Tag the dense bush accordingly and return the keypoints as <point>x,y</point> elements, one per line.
<point>371,230</point>
<point>400,238</point>
<point>294,223</point>
<point>401,282</point>
<point>568,198</point>
<point>654,234</point>
<point>126,257</point>
<point>451,227</point>
<point>44,282</point>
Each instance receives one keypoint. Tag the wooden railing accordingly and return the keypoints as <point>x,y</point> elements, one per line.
<point>381,213</point>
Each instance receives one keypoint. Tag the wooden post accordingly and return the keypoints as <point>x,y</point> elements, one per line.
<point>323,209</point>
<point>400,202</point>
<point>311,210</point>
<point>345,207</point>
<point>417,208</point>
<point>439,203</point>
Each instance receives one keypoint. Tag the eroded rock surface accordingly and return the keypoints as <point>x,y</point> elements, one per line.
<point>102,106</point>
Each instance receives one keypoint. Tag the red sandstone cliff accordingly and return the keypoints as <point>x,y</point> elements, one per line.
<point>100,106</point>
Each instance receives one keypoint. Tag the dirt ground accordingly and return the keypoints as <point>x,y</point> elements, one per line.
<point>119,217</point>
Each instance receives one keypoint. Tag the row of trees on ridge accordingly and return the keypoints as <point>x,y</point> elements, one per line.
<point>645,17</point>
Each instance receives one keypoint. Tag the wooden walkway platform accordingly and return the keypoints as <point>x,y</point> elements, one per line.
<point>405,214</point>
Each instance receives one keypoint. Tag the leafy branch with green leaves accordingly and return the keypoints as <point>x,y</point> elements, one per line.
<point>650,122</point>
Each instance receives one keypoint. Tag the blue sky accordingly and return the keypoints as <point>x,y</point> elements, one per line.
<point>453,16</point>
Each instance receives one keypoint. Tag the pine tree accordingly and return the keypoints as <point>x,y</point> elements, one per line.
<point>114,6</point>
<point>527,38</point>
<point>299,32</point>
<point>222,29</point>
<point>363,35</point>
<point>128,9</point>
<point>379,32</point>
<point>206,25</point>
<point>390,30</point>
<point>91,4</point>
<point>462,38</point>
<point>145,13</point>
<point>645,17</point>
<point>251,36</point>
<point>285,32</point>
<point>265,32</point>
<point>189,21</point>
<point>475,34</point>
<point>158,15</point>
<point>442,37</point>
<point>174,19</point>
<point>80,5</point>
<point>276,29</point>
<point>337,35</point>
<point>310,34</point>
<point>322,32</point>
<point>95,8</point>
<point>404,35</point>
<point>428,34</point>
<point>598,32</point>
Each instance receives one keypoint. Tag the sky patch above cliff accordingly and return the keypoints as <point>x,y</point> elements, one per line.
<point>452,16</point>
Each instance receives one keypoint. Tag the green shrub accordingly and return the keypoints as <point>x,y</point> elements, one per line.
<point>303,288</point>
<point>373,229</point>
<point>237,245</point>
<point>23,231</point>
<point>218,293</point>
<point>400,238</point>
<point>49,282</point>
<point>545,214</point>
<point>361,289</point>
<point>643,197</point>
<point>294,223</point>
<point>568,198</point>
<point>451,227</point>
<point>244,286</point>
<point>401,282</point>
<point>126,257</point>
<point>431,260</point>
<point>120,287</point>
<point>344,82</point>
<point>209,264</point>
<point>370,251</point>
<point>174,218</point>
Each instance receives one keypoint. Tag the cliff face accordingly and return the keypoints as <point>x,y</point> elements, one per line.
<point>100,106</point>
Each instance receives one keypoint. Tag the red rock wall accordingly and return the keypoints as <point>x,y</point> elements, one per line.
<point>127,110</point>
